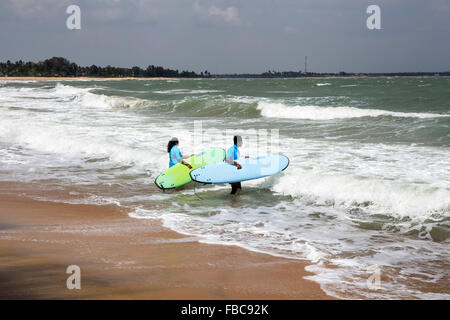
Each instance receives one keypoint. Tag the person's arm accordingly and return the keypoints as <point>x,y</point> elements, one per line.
<point>229,159</point>
<point>180,159</point>
<point>233,163</point>
<point>185,163</point>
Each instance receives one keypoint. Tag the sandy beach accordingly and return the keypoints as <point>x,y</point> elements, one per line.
<point>125,258</point>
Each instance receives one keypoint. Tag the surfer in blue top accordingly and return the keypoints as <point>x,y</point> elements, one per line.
<point>175,155</point>
<point>232,155</point>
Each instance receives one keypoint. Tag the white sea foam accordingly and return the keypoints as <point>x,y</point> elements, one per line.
<point>280,110</point>
<point>17,81</point>
<point>383,196</point>
<point>85,97</point>
<point>71,141</point>
<point>102,101</point>
<point>186,91</point>
<point>67,90</point>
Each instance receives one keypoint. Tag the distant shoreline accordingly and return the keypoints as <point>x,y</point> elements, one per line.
<point>181,78</point>
<point>81,78</point>
<point>59,68</point>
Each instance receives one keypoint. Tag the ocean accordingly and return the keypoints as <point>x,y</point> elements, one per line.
<point>365,199</point>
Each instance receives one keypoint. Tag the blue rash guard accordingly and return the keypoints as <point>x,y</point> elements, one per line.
<point>233,153</point>
<point>174,156</point>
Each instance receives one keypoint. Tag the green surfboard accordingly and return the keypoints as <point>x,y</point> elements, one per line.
<point>178,175</point>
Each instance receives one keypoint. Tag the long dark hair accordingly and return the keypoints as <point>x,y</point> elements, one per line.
<point>171,144</point>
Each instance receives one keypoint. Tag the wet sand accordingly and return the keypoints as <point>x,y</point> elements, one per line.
<point>125,258</point>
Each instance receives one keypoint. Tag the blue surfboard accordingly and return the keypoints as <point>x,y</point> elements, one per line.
<point>252,168</point>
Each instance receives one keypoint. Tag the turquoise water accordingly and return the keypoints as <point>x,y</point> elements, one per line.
<point>367,187</point>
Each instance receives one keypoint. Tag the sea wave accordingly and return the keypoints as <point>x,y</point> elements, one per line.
<point>207,106</point>
<point>103,101</point>
<point>67,90</point>
<point>400,198</point>
<point>280,110</point>
<point>186,91</point>
<point>86,98</point>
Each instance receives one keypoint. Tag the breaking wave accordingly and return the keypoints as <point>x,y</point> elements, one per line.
<point>280,110</point>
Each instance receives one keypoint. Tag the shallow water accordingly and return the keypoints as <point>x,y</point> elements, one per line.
<point>367,186</point>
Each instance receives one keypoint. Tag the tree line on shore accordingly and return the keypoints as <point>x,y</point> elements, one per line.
<point>61,67</point>
<point>300,74</point>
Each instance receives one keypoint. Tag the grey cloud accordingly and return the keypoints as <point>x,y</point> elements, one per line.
<point>35,9</point>
<point>232,35</point>
<point>229,15</point>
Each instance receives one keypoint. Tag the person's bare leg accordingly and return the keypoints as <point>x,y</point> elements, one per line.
<point>235,187</point>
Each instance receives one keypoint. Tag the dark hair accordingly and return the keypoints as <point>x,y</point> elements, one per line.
<point>235,139</point>
<point>171,144</point>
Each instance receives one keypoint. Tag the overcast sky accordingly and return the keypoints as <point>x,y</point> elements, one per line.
<point>227,36</point>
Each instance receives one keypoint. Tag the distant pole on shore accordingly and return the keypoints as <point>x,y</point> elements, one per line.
<point>306,64</point>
